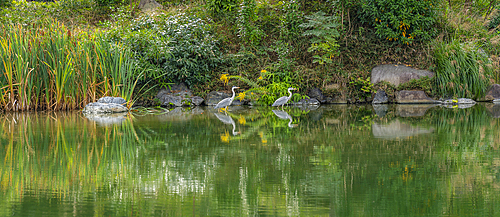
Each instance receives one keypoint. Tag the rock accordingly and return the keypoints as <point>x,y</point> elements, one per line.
<point>317,94</point>
<point>496,101</point>
<point>148,5</point>
<point>413,110</point>
<point>397,74</point>
<point>380,109</point>
<point>311,101</point>
<point>397,130</point>
<point>337,99</point>
<point>99,108</point>
<point>109,99</point>
<point>380,97</point>
<point>107,119</point>
<point>414,97</point>
<point>178,95</point>
<point>492,94</point>
<point>196,100</point>
<point>215,97</point>
<point>461,103</point>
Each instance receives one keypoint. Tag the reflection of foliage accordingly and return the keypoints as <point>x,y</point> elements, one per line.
<point>225,137</point>
<point>180,156</point>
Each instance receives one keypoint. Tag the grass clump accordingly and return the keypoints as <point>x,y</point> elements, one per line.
<point>53,67</point>
<point>462,70</point>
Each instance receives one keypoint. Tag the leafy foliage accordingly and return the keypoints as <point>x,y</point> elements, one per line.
<point>248,31</point>
<point>362,87</point>
<point>218,7</point>
<point>401,21</point>
<point>180,47</point>
<point>323,30</point>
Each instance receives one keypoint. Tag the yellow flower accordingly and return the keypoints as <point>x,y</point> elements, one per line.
<point>263,71</point>
<point>241,96</point>
<point>242,120</point>
<point>225,137</point>
<point>260,77</point>
<point>224,78</point>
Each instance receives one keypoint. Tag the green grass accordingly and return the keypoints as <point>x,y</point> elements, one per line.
<point>462,70</point>
<point>53,67</point>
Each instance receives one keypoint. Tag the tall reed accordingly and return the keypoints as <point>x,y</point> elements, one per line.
<point>49,66</point>
<point>463,70</point>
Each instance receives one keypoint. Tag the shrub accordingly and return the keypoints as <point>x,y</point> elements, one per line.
<point>401,21</point>
<point>218,7</point>
<point>5,3</point>
<point>323,30</point>
<point>181,46</point>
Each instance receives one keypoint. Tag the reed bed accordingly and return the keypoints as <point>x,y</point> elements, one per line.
<point>463,70</point>
<point>49,66</point>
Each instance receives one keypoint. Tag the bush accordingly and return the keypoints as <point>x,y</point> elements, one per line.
<point>323,30</point>
<point>218,7</point>
<point>181,46</point>
<point>401,21</point>
<point>5,3</point>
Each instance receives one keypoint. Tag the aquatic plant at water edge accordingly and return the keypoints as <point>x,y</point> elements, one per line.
<point>50,66</point>
<point>462,70</point>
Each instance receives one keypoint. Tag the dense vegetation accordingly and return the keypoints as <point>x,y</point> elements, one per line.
<point>108,47</point>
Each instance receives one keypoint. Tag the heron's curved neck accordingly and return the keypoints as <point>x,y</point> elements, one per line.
<point>289,91</point>
<point>233,93</point>
<point>290,122</point>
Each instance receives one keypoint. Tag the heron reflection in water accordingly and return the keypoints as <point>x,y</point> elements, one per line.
<point>226,119</point>
<point>284,115</point>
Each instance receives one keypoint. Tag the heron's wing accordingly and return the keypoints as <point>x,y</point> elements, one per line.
<point>224,118</point>
<point>280,101</point>
<point>281,114</point>
<point>223,103</point>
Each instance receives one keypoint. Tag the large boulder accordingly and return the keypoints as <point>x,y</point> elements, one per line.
<point>397,74</point>
<point>414,97</point>
<point>178,95</point>
<point>106,105</point>
<point>492,94</point>
<point>317,94</point>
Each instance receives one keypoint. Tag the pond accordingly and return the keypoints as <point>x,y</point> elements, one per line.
<point>338,160</point>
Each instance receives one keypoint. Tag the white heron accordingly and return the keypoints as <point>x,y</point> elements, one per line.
<point>282,100</point>
<point>227,101</point>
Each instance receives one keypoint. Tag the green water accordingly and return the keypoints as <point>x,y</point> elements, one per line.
<point>330,161</point>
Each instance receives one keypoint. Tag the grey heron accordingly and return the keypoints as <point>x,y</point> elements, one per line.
<point>227,101</point>
<point>282,100</point>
